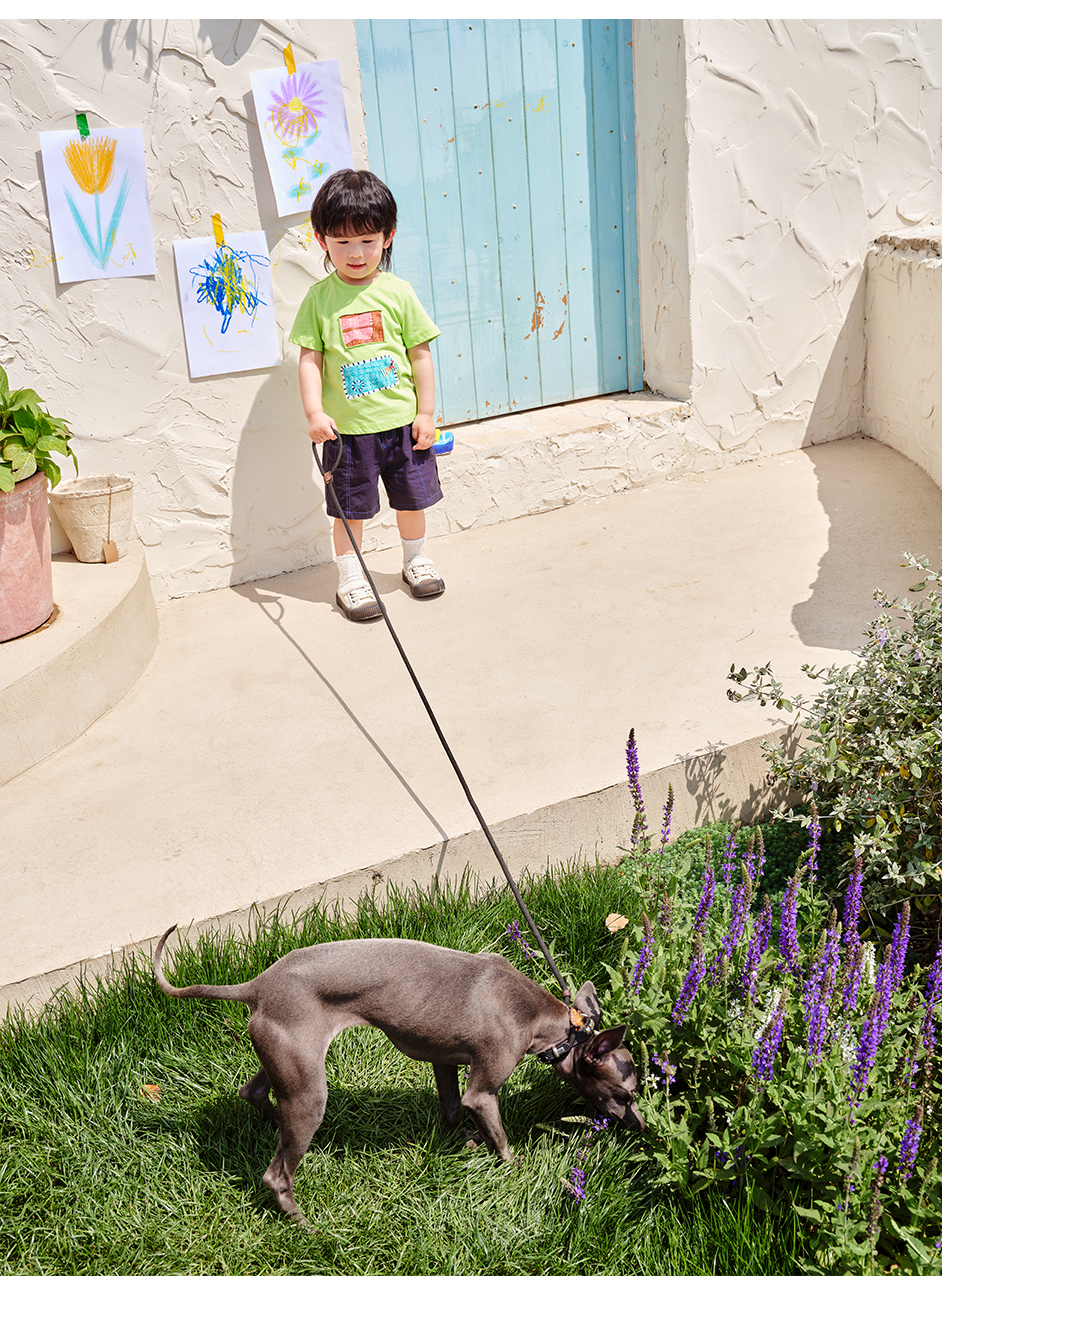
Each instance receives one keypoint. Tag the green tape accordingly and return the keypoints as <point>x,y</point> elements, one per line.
<point>84,128</point>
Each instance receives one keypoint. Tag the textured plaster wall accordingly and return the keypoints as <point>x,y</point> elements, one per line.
<point>224,476</point>
<point>804,140</point>
<point>902,383</point>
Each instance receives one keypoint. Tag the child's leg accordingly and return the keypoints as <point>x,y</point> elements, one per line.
<point>342,545</point>
<point>418,570</point>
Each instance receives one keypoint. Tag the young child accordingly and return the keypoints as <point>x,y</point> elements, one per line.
<point>366,377</point>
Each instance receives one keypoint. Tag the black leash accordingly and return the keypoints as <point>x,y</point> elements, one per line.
<point>438,729</point>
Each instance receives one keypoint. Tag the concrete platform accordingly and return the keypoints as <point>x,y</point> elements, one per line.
<point>55,682</point>
<point>273,749</point>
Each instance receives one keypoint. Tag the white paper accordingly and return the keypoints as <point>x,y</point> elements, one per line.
<point>227,304</point>
<point>99,204</point>
<point>304,130</point>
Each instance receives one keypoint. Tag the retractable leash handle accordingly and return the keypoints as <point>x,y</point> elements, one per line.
<point>326,474</point>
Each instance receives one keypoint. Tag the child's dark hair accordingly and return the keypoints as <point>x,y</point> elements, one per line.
<point>354,203</point>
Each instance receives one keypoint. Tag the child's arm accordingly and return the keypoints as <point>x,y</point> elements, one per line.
<point>423,368</point>
<point>320,425</point>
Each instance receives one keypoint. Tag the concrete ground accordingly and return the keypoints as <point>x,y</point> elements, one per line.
<point>273,749</point>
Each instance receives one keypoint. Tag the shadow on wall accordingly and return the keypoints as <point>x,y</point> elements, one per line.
<point>879,505</point>
<point>278,521</point>
<point>734,784</point>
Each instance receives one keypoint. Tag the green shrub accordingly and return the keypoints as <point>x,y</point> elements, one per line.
<point>871,754</point>
<point>781,1056</point>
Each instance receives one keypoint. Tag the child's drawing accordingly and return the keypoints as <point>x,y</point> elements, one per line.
<point>304,129</point>
<point>99,204</point>
<point>227,304</point>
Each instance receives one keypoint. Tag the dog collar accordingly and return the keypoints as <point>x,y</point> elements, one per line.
<point>582,1029</point>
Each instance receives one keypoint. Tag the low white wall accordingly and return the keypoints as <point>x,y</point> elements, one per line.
<point>902,382</point>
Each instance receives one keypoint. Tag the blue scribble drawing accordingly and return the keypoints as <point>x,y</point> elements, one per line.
<point>229,283</point>
<point>91,162</point>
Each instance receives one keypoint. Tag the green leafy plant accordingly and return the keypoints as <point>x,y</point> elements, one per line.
<point>782,1057</point>
<point>29,437</point>
<point>871,749</point>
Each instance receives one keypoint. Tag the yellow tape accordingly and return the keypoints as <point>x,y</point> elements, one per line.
<point>290,59</point>
<point>219,232</point>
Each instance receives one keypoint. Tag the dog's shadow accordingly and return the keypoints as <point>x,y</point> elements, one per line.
<point>236,1142</point>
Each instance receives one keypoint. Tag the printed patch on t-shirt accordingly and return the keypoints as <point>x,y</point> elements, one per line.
<point>368,376</point>
<point>359,329</point>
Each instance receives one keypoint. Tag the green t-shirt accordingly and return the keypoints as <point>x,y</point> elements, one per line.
<point>364,334</point>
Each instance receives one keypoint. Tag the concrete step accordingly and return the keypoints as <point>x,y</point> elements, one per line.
<point>54,683</point>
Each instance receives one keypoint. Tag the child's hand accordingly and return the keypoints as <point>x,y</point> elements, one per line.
<point>321,428</point>
<point>423,431</point>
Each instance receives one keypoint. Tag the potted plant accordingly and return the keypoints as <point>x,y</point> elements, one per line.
<point>29,439</point>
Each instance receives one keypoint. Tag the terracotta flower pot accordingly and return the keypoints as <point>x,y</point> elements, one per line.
<point>26,593</point>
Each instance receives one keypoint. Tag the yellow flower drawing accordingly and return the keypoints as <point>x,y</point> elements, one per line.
<point>91,163</point>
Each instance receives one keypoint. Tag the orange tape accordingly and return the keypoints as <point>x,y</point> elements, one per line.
<point>290,59</point>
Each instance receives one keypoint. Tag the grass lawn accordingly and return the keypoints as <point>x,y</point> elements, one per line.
<point>124,1149</point>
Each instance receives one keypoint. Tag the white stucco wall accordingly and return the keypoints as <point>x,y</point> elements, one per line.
<point>222,466</point>
<point>804,140</point>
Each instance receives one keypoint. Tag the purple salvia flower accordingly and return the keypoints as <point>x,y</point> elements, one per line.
<point>692,983</point>
<point>909,1146</point>
<point>716,969</point>
<point>727,867</point>
<point>789,941</point>
<point>666,920</point>
<point>764,1057</point>
<point>852,905</point>
<point>931,999</point>
<point>901,933</point>
<point>644,957</point>
<point>514,929</point>
<point>853,972</point>
<point>873,1030</point>
<point>759,940</point>
<point>754,856</point>
<point>637,834</point>
<point>577,1183</point>
<point>815,841</point>
<point>665,826</point>
<point>818,991</point>
<point>666,1070</point>
<point>708,893</point>
<point>740,909</point>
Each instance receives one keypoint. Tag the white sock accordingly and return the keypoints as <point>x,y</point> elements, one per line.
<point>350,574</point>
<point>412,549</point>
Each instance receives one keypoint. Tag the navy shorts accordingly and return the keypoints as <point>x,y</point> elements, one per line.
<point>411,479</point>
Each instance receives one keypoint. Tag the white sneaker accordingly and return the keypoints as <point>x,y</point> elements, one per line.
<point>358,603</point>
<point>420,577</point>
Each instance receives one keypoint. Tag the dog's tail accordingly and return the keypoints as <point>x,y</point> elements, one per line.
<point>231,992</point>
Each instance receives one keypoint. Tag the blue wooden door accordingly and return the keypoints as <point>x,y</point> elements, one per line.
<point>509,147</point>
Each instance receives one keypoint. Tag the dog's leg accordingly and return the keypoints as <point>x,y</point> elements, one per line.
<point>298,1077</point>
<point>446,1078</point>
<point>257,1093</point>
<point>481,1099</point>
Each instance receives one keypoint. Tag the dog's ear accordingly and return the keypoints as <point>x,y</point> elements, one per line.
<point>607,1041</point>
<point>586,1001</point>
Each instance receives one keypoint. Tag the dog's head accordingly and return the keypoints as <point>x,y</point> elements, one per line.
<point>601,1069</point>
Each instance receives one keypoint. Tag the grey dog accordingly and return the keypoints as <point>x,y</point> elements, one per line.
<point>449,1008</point>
